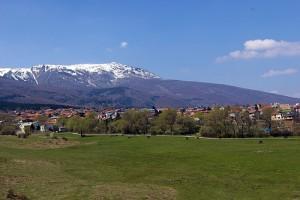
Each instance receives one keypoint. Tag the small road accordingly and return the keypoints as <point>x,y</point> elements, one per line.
<point>192,136</point>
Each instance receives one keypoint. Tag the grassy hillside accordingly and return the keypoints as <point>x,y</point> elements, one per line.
<point>103,167</point>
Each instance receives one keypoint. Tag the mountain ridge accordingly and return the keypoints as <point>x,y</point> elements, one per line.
<point>113,69</point>
<point>115,84</point>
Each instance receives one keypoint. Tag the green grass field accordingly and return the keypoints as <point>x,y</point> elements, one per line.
<point>104,167</point>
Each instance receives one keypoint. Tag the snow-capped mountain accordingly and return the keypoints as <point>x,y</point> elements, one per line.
<point>115,84</point>
<point>16,73</point>
<point>84,74</point>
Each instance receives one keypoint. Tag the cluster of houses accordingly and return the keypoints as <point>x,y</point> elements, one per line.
<point>45,120</point>
<point>283,116</point>
<point>280,111</point>
<point>285,112</point>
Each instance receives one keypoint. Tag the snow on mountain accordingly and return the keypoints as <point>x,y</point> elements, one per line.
<point>117,85</point>
<point>3,71</point>
<point>23,74</point>
<point>115,71</point>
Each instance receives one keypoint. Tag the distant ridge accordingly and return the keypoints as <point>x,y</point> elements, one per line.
<point>22,106</point>
<point>115,84</point>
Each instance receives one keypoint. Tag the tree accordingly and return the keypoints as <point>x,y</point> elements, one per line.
<point>118,126</point>
<point>73,123</point>
<point>77,124</point>
<point>62,121</point>
<point>296,129</point>
<point>134,122</point>
<point>267,117</point>
<point>200,118</point>
<point>207,131</point>
<point>102,126</point>
<point>8,130</point>
<point>7,124</point>
<point>89,123</point>
<point>143,122</point>
<point>243,124</point>
<point>219,122</point>
<point>247,123</point>
<point>165,122</point>
<point>185,125</point>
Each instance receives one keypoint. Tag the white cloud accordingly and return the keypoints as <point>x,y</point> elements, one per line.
<point>262,44</point>
<point>273,72</point>
<point>267,48</point>
<point>123,44</point>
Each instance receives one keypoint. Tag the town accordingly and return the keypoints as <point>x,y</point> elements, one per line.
<point>149,100</point>
<point>259,120</point>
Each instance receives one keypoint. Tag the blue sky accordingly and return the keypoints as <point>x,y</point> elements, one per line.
<point>253,44</point>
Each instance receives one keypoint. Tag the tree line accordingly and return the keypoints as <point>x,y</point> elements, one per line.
<point>134,122</point>
<point>217,123</point>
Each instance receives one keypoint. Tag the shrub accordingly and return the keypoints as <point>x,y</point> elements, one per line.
<point>207,131</point>
<point>278,133</point>
<point>12,195</point>
<point>296,129</point>
<point>8,130</point>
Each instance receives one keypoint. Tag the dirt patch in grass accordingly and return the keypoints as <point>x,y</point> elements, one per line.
<point>9,182</point>
<point>32,163</point>
<point>36,179</point>
<point>37,142</point>
<point>133,191</point>
<point>13,180</point>
<point>23,169</point>
<point>52,144</point>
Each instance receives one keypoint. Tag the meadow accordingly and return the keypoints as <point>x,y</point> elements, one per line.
<point>121,167</point>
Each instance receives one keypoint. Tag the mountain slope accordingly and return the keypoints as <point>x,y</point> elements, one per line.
<point>199,93</point>
<point>119,85</point>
